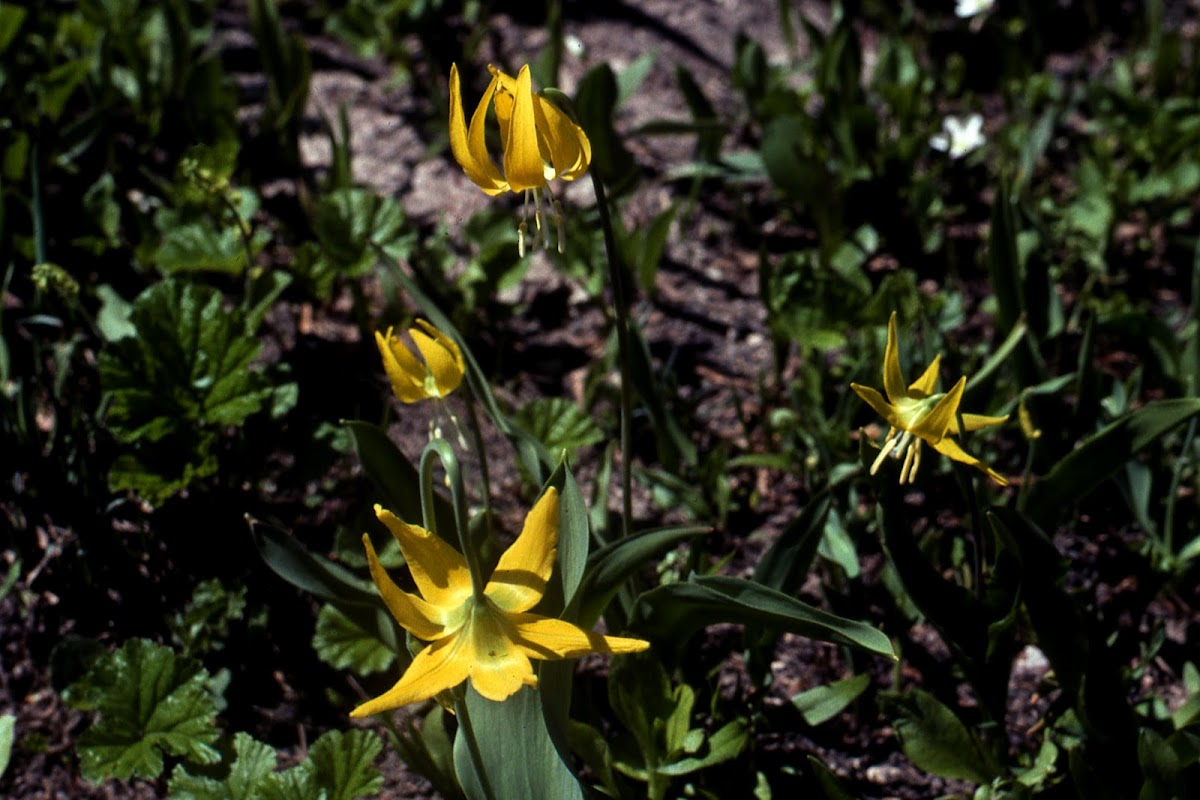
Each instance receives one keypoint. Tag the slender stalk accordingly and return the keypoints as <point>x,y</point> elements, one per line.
<point>39,228</point>
<point>468,730</point>
<point>616,274</point>
<point>1168,537</point>
<point>441,449</point>
<point>484,473</point>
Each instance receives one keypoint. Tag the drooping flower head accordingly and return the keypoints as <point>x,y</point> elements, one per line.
<point>917,414</point>
<point>436,374</point>
<point>539,143</point>
<point>488,637</point>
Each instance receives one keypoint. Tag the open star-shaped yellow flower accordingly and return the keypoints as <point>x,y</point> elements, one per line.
<point>916,414</point>
<point>439,375</point>
<point>488,637</point>
<point>539,142</point>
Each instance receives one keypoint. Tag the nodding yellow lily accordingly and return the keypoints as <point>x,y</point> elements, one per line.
<point>539,142</point>
<point>916,414</point>
<point>486,637</point>
<point>439,375</point>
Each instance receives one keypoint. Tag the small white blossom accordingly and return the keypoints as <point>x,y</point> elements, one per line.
<point>966,9</point>
<point>959,137</point>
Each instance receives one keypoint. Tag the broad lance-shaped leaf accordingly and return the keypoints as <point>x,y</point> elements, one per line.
<point>935,739</point>
<point>672,612</point>
<point>1103,453</point>
<point>150,702</point>
<point>517,753</point>
<point>397,484</point>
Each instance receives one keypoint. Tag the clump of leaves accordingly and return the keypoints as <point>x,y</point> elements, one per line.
<point>182,377</point>
<point>150,703</point>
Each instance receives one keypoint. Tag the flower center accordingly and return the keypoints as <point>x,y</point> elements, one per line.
<point>899,443</point>
<point>538,237</point>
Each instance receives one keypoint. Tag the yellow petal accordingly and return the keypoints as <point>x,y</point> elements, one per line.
<point>933,426</point>
<point>470,148</point>
<point>439,570</point>
<point>546,638</point>
<point>893,378</point>
<point>406,374</point>
<point>435,669</point>
<point>523,164</point>
<point>923,386</point>
<point>497,666</point>
<point>950,448</point>
<point>973,422</point>
<point>564,144</point>
<point>875,400</point>
<point>414,614</point>
<point>443,359</point>
<point>519,580</point>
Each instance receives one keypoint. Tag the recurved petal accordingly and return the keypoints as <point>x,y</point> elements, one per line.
<point>414,614</point>
<point>934,425</point>
<point>520,577</point>
<point>470,147</point>
<point>564,144</point>
<point>406,374</point>
<point>893,378</point>
<point>439,667</point>
<point>951,449</point>
<point>973,422</point>
<point>439,570</point>
<point>546,638</point>
<point>523,165</point>
<point>923,386</point>
<point>875,400</point>
<point>442,356</point>
<point>497,666</point>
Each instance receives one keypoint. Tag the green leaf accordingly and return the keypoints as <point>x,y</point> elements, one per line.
<point>342,764</point>
<point>1103,453</point>
<point>8,724</point>
<point>831,787</point>
<point>595,104</point>
<point>150,702</point>
<point>935,739</point>
<point>672,612</point>
<point>342,644</point>
<point>559,424</point>
<point>823,703</point>
<point>518,756</point>
<point>352,224</point>
<point>397,484</point>
<point>113,317</point>
<point>786,563</point>
<point>609,567</point>
<point>318,576</point>
<point>724,744</point>
<point>250,772</point>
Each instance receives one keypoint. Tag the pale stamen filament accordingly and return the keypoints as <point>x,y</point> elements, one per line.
<point>888,444</point>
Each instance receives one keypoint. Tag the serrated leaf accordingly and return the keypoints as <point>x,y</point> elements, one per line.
<point>185,373</point>
<point>342,764</point>
<point>150,702</point>
<point>559,424</point>
<point>344,645</point>
<point>250,771</point>
<point>351,223</point>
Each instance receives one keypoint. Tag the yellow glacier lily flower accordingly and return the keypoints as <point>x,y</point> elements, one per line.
<point>488,639</point>
<point>916,414</point>
<point>539,143</point>
<point>440,373</point>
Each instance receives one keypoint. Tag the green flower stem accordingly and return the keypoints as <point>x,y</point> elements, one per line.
<point>617,276</point>
<point>484,473</point>
<point>465,728</point>
<point>441,450</point>
<point>1168,542</point>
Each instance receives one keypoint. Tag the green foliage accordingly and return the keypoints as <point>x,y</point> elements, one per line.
<point>179,381</point>
<point>344,645</point>
<point>204,624</point>
<point>150,703</point>
<point>337,767</point>
<point>8,723</point>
